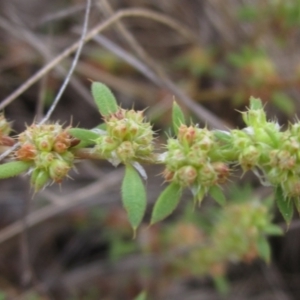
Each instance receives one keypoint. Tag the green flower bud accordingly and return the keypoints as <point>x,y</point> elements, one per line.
<point>44,143</point>
<point>222,171</point>
<point>60,147</point>
<point>58,169</point>
<point>125,151</point>
<point>208,175</point>
<point>68,157</point>
<point>249,158</point>
<point>276,176</point>
<point>291,186</point>
<point>43,160</point>
<point>186,135</point>
<point>136,116</point>
<point>186,176</point>
<point>39,179</point>
<point>285,160</point>
<point>255,118</point>
<point>119,131</point>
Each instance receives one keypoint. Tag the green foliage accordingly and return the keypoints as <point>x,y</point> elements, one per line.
<point>197,159</point>
<point>13,168</point>
<point>119,248</point>
<point>177,117</point>
<point>283,102</point>
<point>86,137</point>
<point>264,249</point>
<point>221,284</point>
<point>104,98</point>
<point>284,204</point>
<point>166,202</point>
<point>255,103</point>
<point>248,13</point>
<point>141,296</point>
<point>217,194</point>
<point>133,196</point>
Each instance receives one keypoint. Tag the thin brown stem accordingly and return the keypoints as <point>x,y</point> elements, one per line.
<point>128,13</point>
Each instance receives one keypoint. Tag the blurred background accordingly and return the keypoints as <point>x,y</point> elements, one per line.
<point>211,56</point>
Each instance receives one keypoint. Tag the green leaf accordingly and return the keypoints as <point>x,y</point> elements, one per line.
<point>133,196</point>
<point>166,202</point>
<point>86,137</point>
<point>248,13</point>
<point>221,284</point>
<point>264,249</point>
<point>13,168</point>
<point>102,126</point>
<point>283,102</point>
<point>272,229</point>
<point>255,103</point>
<point>104,98</point>
<point>223,136</point>
<point>284,204</point>
<point>141,296</point>
<point>177,117</point>
<point>296,201</point>
<point>217,193</point>
<point>119,248</point>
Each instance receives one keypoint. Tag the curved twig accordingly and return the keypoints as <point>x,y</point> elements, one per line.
<point>73,66</point>
<point>135,12</point>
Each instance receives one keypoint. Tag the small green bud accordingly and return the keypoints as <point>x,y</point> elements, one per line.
<point>255,118</point>
<point>39,179</point>
<point>58,170</point>
<point>249,158</point>
<point>291,187</point>
<point>125,151</point>
<point>208,175</point>
<point>44,143</point>
<point>43,159</point>
<point>186,175</point>
<point>186,135</point>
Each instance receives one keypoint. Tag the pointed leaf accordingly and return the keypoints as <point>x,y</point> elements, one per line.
<point>255,103</point>
<point>296,201</point>
<point>13,168</point>
<point>221,284</point>
<point>133,196</point>
<point>177,117</point>
<point>264,249</point>
<point>141,296</point>
<point>104,98</point>
<point>284,204</point>
<point>223,136</point>
<point>86,137</point>
<point>272,229</point>
<point>217,193</point>
<point>283,102</point>
<point>166,202</point>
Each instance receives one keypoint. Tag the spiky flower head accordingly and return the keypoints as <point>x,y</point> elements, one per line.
<point>47,146</point>
<point>128,137</point>
<point>194,159</point>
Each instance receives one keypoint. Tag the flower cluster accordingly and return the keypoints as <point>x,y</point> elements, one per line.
<point>210,253</point>
<point>275,153</point>
<point>195,160</point>
<point>48,148</point>
<point>283,162</point>
<point>127,138</point>
<point>5,130</point>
